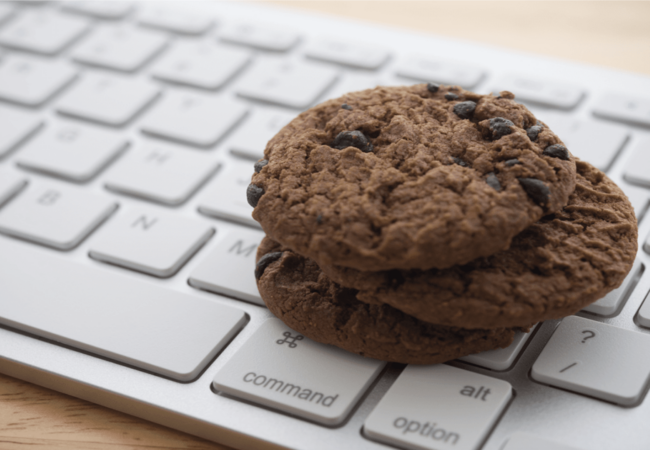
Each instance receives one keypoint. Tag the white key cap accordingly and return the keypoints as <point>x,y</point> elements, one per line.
<point>639,198</point>
<point>501,358</point>
<point>353,82</point>
<point>288,83</point>
<point>10,184</point>
<point>544,92</point>
<point>595,359</point>
<point>636,168</point>
<point>55,217</point>
<point>101,9</point>
<point>225,197</point>
<point>230,268</point>
<point>119,47</point>
<point>42,31</point>
<point>432,69</point>
<point>112,315</point>
<point>359,55</point>
<point>109,99</point>
<point>643,316</point>
<point>624,108</point>
<point>594,141</point>
<point>194,119</point>
<point>438,407</point>
<point>612,302</point>
<point>16,126</point>
<point>161,173</point>
<point>6,11</point>
<point>72,151</point>
<point>282,369</point>
<point>176,21</point>
<point>150,242</point>
<point>31,81</point>
<point>204,64</point>
<point>250,139</point>
<point>524,441</point>
<point>258,36</point>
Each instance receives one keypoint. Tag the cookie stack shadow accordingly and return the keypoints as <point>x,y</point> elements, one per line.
<point>367,251</point>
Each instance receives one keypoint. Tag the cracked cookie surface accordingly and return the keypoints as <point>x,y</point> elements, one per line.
<point>298,293</point>
<point>403,178</point>
<point>554,268</point>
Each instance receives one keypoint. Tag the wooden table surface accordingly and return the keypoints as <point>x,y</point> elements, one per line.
<point>614,34</point>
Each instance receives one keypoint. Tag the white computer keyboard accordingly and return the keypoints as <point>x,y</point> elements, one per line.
<point>128,134</point>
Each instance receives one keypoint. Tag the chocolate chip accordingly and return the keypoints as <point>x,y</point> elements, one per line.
<point>259,165</point>
<point>450,96</point>
<point>464,110</point>
<point>319,219</point>
<point>346,106</point>
<point>253,194</point>
<point>493,181</point>
<point>512,162</point>
<point>432,87</point>
<point>352,139</point>
<point>536,190</point>
<point>540,124</point>
<point>459,161</point>
<point>264,262</point>
<point>557,151</point>
<point>533,131</point>
<point>500,127</point>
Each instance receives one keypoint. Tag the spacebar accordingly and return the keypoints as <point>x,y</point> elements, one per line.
<point>113,315</point>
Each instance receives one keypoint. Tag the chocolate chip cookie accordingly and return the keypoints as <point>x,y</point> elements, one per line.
<point>554,268</point>
<point>415,177</point>
<point>298,293</point>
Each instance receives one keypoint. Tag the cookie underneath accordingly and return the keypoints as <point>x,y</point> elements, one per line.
<point>553,269</point>
<point>298,293</point>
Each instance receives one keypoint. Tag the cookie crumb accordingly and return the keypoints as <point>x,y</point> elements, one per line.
<point>507,94</point>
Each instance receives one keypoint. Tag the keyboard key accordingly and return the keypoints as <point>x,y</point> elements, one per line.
<point>362,56</point>
<point>10,184</point>
<point>636,168</point>
<point>438,407</point>
<point>624,108</point>
<point>100,9</point>
<point>42,31</point>
<point>595,359</point>
<point>150,242</point>
<point>262,37</point>
<point>16,127</point>
<point>501,358</point>
<point>544,92</point>
<point>431,69</point>
<point>524,441</point>
<point>288,83</point>
<point>161,173</point>
<point>639,199</point>
<point>225,198</point>
<point>72,151</point>
<point>6,11</point>
<point>282,369</point>
<point>612,302</point>
<point>194,119</point>
<point>31,81</point>
<point>230,268</point>
<point>352,82</point>
<point>122,318</point>
<point>249,141</point>
<point>119,47</point>
<point>597,142</point>
<point>55,217</point>
<point>643,317</point>
<point>176,21</point>
<point>202,65</point>
<point>108,99</point>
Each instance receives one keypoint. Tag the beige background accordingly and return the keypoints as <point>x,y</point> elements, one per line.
<point>614,34</point>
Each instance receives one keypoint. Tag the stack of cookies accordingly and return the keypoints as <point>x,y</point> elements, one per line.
<point>420,224</point>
